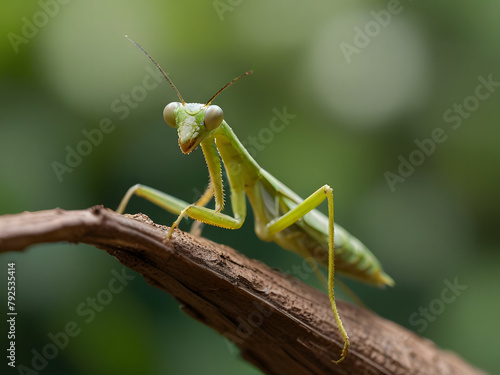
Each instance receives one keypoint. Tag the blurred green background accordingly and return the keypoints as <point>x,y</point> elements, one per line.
<point>366,81</point>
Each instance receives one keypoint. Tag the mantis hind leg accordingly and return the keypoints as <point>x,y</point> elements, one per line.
<point>282,222</point>
<point>314,266</point>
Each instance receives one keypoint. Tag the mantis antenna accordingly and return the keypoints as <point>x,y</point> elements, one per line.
<point>172,84</point>
<point>226,86</point>
<point>165,74</point>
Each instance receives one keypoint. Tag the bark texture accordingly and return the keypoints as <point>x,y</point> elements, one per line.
<point>280,324</point>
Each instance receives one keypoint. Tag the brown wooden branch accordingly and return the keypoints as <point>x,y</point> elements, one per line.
<point>281,325</point>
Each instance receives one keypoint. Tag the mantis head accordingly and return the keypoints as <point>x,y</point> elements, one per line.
<point>193,121</point>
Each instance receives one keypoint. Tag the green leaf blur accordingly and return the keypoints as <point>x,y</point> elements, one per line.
<point>397,108</point>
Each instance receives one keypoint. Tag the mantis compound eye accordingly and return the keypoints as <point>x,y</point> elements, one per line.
<point>169,113</point>
<point>213,117</point>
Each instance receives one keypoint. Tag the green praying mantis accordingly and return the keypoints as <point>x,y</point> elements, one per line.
<point>280,215</point>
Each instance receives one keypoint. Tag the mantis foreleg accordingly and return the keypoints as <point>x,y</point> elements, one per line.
<point>196,210</point>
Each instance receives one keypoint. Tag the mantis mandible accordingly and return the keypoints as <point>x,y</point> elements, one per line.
<point>280,215</point>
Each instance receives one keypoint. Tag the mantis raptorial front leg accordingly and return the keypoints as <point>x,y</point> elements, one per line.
<point>209,216</point>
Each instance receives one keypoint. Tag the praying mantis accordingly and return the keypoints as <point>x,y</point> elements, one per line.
<point>280,215</point>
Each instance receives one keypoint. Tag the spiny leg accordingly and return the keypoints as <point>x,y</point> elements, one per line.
<point>213,217</point>
<point>238,199</point>
<point>295,214</point>
<point>215,187</point>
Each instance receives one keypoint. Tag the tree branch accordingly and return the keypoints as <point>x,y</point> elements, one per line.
<point>281,325</point>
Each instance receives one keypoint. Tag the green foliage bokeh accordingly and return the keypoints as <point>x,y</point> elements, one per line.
<point>362,105</point>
